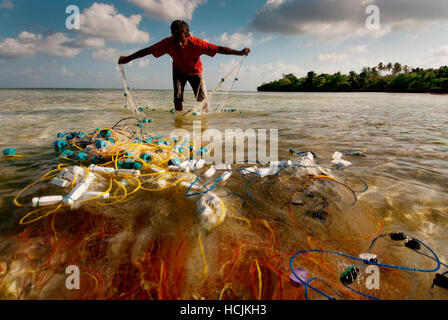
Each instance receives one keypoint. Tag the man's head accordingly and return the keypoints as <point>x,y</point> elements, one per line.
<point>180,32</point>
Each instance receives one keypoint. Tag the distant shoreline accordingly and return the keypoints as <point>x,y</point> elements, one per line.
<point>387,78</point>
<point>111,89</point>
<point>443,91</point>
<point>254,91</point>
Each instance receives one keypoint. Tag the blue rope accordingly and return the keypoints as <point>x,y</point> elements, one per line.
<point>328,285</point>
<point>364,261</point>
<point>198,193</point>
<point>303,282</point>
<point>305,152</point>
<point>376,238</point>
<point>249,194</point>
<point>226,190</point>
<point>365,189</point>
<point>353,153</point>
<point>424,254</point>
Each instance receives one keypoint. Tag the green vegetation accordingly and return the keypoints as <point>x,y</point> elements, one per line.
<point>382,78</point>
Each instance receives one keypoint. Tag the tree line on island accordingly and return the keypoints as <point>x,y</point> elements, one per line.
<point>381,78</point>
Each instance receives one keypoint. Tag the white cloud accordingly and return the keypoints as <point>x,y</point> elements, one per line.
<point>168,9</point>
<point>235,40</point>
<point>57,44</point>
<point>99,23</point>
<point>15,49</point>
<point>332,57</point>
<point>103,21</point>
<point>111,55</point>
<point>274,3</point>
<point>240,40</point>
<point>24,36</point>
<point>66,73</point>
<point>338,30</point>
<point>344,19</point>
<point>359,49</point>
<point>87,42</point>
<point>7,4</point>
<point>28,44</point>
<point>439,52</point>
<point>107,54</point>
<point>263,40</point>
<point>143,63</point>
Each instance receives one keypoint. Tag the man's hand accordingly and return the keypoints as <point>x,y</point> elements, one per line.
<point>123,60</point>
<point>245,51</point>
<point>225,50</point>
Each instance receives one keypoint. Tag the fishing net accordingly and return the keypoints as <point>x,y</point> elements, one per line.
<point>141,217</point>
<point>131,103</point>
<point>220,105</point>
<point>211,103</point>
<point>150,237</point>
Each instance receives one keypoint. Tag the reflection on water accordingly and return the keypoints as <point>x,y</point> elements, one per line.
<point>152,248</point>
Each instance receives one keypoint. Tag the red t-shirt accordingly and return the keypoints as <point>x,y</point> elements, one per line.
<point>187,59</point>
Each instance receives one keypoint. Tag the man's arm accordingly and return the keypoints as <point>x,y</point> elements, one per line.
<point>225,50</point>
<point>139,54</point>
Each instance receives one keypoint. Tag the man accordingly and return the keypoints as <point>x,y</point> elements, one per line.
<point>185,50</point>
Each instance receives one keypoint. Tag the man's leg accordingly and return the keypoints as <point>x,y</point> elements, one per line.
<point>198,85</point>
<point>178,105</point>
<point>179,82</point>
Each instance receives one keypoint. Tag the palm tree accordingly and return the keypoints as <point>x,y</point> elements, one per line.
<point>309,79</point>
<point>406,69</point>
<point>381,68</point>
<point>389,67</point>
<point>397,68</point>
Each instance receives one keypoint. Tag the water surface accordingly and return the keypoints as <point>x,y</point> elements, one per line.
<point>403,136</point>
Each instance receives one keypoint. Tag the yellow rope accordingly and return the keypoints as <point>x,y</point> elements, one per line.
<point>260,283</point>
<point>38,218</point>
<point>204,261</point>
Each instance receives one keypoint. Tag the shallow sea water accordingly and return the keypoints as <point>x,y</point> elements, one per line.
<point>152,248</point>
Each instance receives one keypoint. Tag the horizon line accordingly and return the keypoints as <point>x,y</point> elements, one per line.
<point>80,88</point>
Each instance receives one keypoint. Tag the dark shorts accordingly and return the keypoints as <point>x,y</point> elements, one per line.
<point>179,81</point>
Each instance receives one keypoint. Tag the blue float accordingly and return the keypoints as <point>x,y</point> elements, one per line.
<point>67,153</point>
<point>100,144</point>
<point>60,144</point>
<point>106,133</point>
<point>137,165</point>
<point>9,152</point>
<point>146,157</point>
<point>174,162</point>
<point>82,156</point>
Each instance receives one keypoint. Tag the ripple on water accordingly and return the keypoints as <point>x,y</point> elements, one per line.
<point>403,136</point>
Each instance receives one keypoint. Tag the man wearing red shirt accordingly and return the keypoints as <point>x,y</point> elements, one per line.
<point>185,50</point>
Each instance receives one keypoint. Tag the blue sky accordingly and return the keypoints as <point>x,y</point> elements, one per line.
<point>285,36</point>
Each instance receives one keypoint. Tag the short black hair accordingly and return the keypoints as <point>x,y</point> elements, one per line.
<point>180,25</point>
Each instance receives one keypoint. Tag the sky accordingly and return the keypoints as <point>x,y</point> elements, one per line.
<point>285,36</point>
